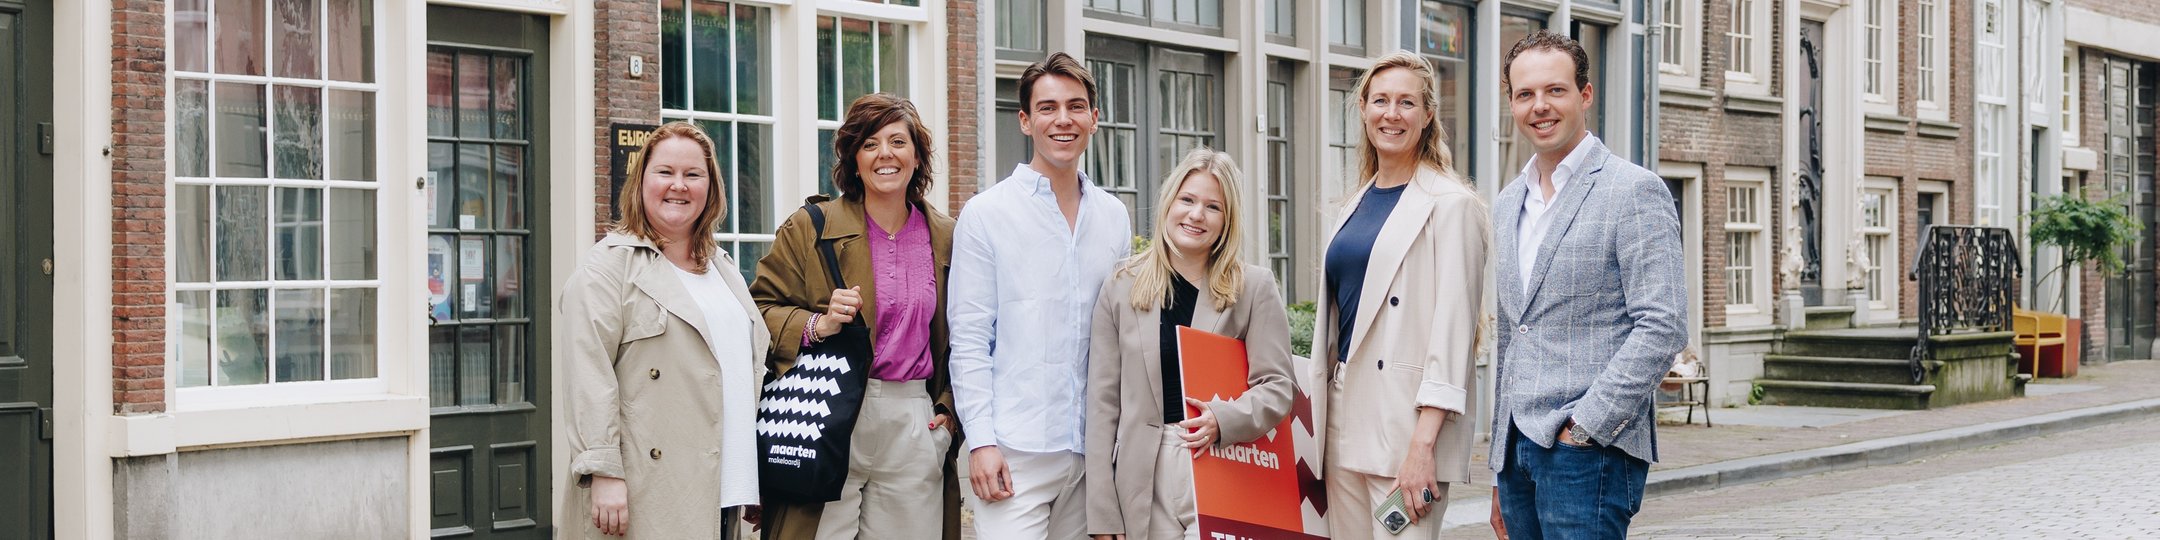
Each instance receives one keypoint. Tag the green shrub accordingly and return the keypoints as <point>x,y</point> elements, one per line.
<point>1301,321</point>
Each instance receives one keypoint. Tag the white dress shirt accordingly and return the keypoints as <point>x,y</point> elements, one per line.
<point>1537,217</point>
<point>728,321</point>
<point>1019,298</point>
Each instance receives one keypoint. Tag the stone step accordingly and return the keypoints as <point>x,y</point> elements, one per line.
<point>1830,369</point>
<point>1851,395</point>
<point>1828,317</point>
<point>1848,344</point>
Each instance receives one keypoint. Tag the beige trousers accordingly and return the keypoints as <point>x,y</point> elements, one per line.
<point>893,464</point>
<point>1049,499</point>
<point>1352,497</point>
<point>1176,516</point>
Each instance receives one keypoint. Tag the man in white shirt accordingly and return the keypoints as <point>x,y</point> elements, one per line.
<point>1029,254</point>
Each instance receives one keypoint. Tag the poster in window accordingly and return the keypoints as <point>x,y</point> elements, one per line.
<point>1259,489</point>
<point>438,278</point>
<point>472,271</point>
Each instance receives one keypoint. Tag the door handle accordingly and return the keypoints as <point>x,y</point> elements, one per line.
<point>45,429</point>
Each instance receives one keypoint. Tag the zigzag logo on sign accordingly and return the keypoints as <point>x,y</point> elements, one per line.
<point>795,405</point>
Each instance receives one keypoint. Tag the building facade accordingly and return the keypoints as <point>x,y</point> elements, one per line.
<point>2105,108</point>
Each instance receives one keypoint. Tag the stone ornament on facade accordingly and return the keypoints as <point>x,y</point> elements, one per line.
<point>1856,257</point>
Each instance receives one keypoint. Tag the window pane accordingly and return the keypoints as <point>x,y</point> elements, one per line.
<point>893,59</point>
<point>747,255</point>
<point>509,89</point>
<point>857,60</point>
<point>509,287</point>
<point>352,233</point>
<point>240,125</point>
<point>442,191</point>
<point>191,128</point>
<point>351,135</point>
<point>828,56</point>
<point>1020,24</point>
<point>441,276</point>
<point>191,233</point>
<point>474,277</point>
<point>709,57</point>
<point>240,38</point>
<point>194,345</point>
<point>753,70</point>
<point>298,53</point>
<point>751,204</point>
<point>352,334</point>
<point>191,36</point>
<point>299,233</point>
<point>440,69</point>
<point>299,335</point>
<point>510,186</point>
<point>299,132</point>
<point>242,251</point>
<point>674,58</point>
<point>442,366</point>
<point>351,40</point>
<point>825,162</point>
<point>243,337</point>
<point>472,96</point>
<point>510,349</point>
<point>476,359</point>
<point>474,160</point>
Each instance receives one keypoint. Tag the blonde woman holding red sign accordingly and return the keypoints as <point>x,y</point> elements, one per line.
<point>1140,438</point>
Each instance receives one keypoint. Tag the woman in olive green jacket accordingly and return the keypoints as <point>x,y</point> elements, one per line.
<point>892,249</point>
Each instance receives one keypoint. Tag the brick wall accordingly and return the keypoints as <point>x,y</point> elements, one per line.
<point>623,28</point>
<point>2136,10</point>
<point>1910,157</point>
<point>963,101</point>
<point>138,206</point>
<point>1718,138</point>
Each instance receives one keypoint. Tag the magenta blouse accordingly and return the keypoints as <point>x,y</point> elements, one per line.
<point>906,298</point>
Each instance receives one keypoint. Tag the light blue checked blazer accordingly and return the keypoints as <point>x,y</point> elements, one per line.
<point>1605,312</point>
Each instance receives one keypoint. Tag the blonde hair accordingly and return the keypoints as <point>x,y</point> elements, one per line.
<point>630,202</point>
<point>1432,142</point>
<point>1151,269</point>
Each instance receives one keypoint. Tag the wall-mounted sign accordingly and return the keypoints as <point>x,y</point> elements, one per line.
<point>628,140</point>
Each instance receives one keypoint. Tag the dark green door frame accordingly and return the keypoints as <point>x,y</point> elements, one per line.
<point>490,455</point>
<point>26,187</point>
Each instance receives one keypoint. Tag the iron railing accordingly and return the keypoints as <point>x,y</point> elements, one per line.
<point>1968,281</point>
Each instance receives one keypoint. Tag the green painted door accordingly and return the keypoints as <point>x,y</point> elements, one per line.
<point>26,369</point>
<point>488,313</point>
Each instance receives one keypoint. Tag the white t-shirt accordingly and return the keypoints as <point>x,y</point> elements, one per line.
<point>729,325</point>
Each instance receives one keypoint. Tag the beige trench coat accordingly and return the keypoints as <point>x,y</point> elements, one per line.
<point>1124,405</point>
<point>644,390</point>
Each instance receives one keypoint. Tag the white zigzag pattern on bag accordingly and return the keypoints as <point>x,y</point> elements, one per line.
<point>791,429</point>
<point>821,362</point>
<point>804,385</point>
<point>796,406</point>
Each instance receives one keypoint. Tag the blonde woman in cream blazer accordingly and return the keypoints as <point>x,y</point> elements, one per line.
<point>1139,459</point>
<point>1395,388</point>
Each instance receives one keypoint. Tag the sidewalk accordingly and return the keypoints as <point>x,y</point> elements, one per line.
<point>1755,444</point>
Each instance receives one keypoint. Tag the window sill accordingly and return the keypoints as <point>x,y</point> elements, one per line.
<point>1760,104</point>
<point>1890,123</point>
<point>2077,158</point>
<point>351,417</point>
<point>1685,97</point>
<point>1939,129</point>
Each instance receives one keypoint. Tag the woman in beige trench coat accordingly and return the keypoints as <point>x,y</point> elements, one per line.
<point>664,357</point>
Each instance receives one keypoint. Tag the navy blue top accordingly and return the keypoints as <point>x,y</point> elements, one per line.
<point>1346,257</point>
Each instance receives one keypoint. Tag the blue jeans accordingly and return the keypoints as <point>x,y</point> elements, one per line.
<point>1568,492</point>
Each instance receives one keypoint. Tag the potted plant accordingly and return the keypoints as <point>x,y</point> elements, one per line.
<point>2087,232</point>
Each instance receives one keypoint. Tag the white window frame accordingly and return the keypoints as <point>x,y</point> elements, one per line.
<point>270,392</point>
<point>774,30</point>
<point>1883,267</point>
<point>1757,309</point>
<point>1753,29</point>
<point>1879,55</point>
<point>1681,35</point>
<point>1346,16</point>
<point>1991,118</point>
<point>1932,96</point>
<point>2072,79</point>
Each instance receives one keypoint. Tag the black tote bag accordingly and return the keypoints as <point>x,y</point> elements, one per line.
<point>806,417</point>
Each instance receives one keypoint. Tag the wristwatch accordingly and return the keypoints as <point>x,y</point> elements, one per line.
<point>1580,434</point>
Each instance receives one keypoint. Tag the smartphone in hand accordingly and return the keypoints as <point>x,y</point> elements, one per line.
<point>1391,513</point>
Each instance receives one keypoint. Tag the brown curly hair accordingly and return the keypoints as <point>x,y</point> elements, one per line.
<point>865,117</point>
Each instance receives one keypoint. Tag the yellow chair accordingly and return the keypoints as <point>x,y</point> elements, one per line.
<point>2038,332</point>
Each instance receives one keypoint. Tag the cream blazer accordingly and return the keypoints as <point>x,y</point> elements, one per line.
<point>1124,390</point>
<point>644,389</point>
<point>1414,343</point>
